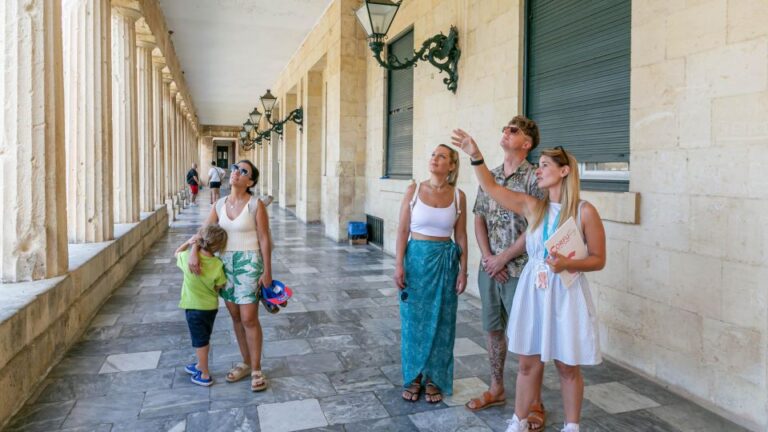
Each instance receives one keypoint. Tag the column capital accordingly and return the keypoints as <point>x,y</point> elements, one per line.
<point>127,8</point>
<point>159,62</point>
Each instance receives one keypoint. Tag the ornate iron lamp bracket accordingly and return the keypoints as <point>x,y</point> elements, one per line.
<point>440,50</point>
<point>296,116</point>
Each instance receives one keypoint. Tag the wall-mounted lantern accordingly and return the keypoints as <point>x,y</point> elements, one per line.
<point>250,134</point>
<point>441,51</point>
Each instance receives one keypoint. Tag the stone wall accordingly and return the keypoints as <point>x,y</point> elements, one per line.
<point>40,320</point>
<point>683,297</point>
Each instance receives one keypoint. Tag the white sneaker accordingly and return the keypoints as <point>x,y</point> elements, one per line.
<point>570,427</point>
<point>517,425</point>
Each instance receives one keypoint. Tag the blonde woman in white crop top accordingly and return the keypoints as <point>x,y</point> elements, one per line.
<point>247,264</point>
<point>431,271</point>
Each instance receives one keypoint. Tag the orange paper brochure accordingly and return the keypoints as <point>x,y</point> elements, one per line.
<point>567,241</point>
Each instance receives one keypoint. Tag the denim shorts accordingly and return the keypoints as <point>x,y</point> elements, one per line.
<point>200,324</point>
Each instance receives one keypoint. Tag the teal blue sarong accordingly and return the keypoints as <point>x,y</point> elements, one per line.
<point>428,314</point>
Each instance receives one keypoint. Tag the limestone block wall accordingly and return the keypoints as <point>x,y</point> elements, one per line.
<point>328,75</point>
<point>490,39</point>
<point>683,298</point>
<point>40,320</point>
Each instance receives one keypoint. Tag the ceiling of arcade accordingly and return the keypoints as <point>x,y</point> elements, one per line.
<point>231,51</point>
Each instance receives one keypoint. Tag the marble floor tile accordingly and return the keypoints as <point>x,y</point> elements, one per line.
<point>130,362</point>
<point>340,343</point>
<point>352,407</point>
<point>301,387</point>
<point>104,320</point>
<point>78,365</point>
<point>243,419</point>
<point>177,423</point>
<point>291,347</point>
<point>363,379</point>
<point>392,424</point>
<point>158,403</point>
<point>456,419</point>
<point>281,417</point>
<point>105,409</point>
<point>688,417</point>
<point>226,395</point>
<point>75,387</point>
<point>303,270</point>
<point>142,379</point>
<point>41,417</point>
<point>465,347</point>
<point>314,363</point>
<point>464,390</point>
<point>378,278</point>
<point>614,398</point>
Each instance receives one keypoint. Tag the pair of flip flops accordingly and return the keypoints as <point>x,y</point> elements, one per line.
<point>275,296</point>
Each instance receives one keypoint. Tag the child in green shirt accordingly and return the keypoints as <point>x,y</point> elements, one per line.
<point>199,295</point>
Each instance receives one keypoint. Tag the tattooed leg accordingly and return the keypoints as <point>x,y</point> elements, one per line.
<point>497,355</point>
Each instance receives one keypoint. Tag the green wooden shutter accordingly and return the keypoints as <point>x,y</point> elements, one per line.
<point>577,80</point>
<point>400,112</point>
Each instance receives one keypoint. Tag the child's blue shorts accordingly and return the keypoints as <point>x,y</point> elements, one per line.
<point>200,324</point>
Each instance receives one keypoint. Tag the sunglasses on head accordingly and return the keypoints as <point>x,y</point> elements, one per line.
<point>511,128</point>
<point>562,150</point>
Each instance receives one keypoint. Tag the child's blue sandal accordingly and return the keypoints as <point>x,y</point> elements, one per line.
<point>199,380</point>
<point>191,369</point>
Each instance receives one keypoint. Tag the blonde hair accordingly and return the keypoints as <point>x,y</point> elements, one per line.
<point>569,190</point>
<point>453,175</point>
<point>213,238</point>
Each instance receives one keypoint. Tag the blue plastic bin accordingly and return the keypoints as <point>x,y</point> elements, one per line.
<point>357,230</point>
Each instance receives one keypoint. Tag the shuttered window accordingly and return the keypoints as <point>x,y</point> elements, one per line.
<point>400,112</point>
<point>577,76</point>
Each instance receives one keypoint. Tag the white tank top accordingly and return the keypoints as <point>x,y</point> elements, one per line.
<point>241,231</point>
<point>434,221</point>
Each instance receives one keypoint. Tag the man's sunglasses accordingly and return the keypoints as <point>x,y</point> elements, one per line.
<point>242,171</point>
<point>512,129</point>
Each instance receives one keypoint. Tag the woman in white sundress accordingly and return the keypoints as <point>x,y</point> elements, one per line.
<point>247,265</point>
<point>548,320</point>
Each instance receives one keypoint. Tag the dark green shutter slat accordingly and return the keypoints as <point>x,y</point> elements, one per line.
<point>400,112</point>
<point>577,80</point>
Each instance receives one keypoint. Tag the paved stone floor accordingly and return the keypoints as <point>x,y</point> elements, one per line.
<point>332,359</point>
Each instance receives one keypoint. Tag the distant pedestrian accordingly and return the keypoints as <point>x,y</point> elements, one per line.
<point>215,176</point>
<point>193,180</point>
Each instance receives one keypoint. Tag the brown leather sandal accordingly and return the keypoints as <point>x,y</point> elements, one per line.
<point>486,400</point>
<point>537,417</point>
<point>411,394</point>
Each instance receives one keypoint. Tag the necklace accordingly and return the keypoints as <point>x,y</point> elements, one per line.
<point>234,204</point>
<point>438,187</point>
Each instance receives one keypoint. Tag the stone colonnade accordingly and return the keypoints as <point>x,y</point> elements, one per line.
<point>97,127</point>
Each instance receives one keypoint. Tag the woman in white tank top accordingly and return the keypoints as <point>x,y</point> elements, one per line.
<point>247,264</point>
<point>550,320</point>
<point>431,271</point>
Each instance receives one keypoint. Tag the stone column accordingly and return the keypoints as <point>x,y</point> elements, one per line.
<point>33,211</point>
<point>88,119</point>
<point>168,144</point>
<point>125,152</point>
<point>158,137</point>
<point>174,177</point>
<point>146,181</point>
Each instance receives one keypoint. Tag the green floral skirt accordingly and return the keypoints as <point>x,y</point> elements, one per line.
<point>243,270</point>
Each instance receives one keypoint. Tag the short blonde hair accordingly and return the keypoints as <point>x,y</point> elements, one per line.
<point>213,238</point>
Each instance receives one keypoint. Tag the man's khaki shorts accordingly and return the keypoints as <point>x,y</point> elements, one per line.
<point>496,299</point>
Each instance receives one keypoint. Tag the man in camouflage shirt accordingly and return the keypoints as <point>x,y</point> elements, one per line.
<point>501,236</point>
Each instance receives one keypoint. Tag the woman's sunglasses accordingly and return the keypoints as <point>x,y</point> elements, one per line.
<point>241,171</point>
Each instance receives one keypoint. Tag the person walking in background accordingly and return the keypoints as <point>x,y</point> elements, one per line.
<point>193,180</point>
<point>500,236</point>
<point>215,177</point>
<point>431,271</point>
<point>549,320</point>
